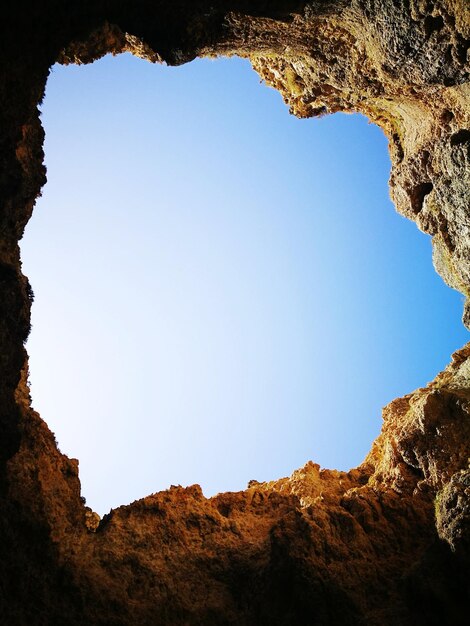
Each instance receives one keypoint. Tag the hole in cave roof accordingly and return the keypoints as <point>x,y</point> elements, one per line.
<point>233,284</point>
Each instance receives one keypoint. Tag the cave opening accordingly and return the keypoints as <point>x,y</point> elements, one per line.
<point>184,208</point>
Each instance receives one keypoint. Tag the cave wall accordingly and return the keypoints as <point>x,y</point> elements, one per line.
<point>387,542</point>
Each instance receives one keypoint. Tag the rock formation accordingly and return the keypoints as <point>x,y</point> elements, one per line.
<point>386,543</point>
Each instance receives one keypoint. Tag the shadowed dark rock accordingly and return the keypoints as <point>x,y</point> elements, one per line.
<point>384,544</point>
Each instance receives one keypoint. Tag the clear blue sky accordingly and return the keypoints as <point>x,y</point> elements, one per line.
<point>223,292</point>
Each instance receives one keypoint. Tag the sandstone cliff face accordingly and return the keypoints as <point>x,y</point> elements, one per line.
<point>386,543</point>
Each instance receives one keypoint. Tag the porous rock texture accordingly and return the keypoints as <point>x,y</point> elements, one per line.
<point>386,543</point>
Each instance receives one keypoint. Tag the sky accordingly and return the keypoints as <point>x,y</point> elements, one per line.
<point>222,291</point>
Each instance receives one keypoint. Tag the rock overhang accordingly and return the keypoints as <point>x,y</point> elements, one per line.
<point>293,550</point>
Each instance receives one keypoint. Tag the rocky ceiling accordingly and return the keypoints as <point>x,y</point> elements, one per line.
<point>386,543</point>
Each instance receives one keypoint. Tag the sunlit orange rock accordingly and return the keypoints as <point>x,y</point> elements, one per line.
<point>384,544</point>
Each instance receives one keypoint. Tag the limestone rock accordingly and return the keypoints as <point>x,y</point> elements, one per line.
<point>384,544</point>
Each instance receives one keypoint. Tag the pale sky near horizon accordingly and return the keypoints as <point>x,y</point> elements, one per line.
<point>223,292</point>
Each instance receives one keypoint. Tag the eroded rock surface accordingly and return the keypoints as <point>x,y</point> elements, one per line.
<point>386,543</point>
